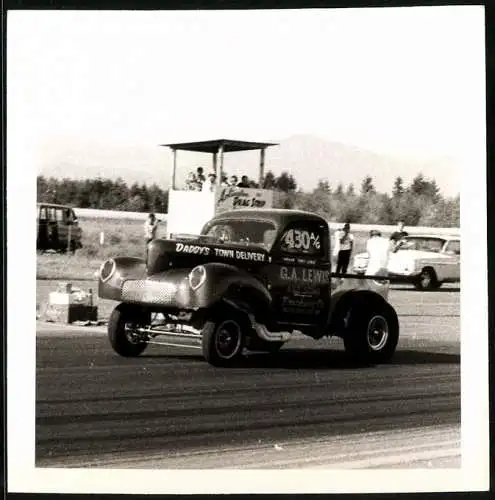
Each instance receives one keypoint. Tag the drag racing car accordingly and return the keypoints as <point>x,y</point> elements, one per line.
<point>249,281</point>
<point>426,261</point>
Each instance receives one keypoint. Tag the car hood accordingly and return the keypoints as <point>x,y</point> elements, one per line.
<point>164,254</point>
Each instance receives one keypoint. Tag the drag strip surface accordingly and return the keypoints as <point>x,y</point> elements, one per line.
<point>93,405</point>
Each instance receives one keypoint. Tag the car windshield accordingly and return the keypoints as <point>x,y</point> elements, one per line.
<point>248,232</point>
<point>426,244</point>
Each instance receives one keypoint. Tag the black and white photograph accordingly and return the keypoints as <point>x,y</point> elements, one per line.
<point>246,260</point>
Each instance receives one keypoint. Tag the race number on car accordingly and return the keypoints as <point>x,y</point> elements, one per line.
<point>301,240</point>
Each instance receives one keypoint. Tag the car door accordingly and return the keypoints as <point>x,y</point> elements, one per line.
<point>452,253</point>
<point>62,228</point>
<point>42,240</point>
<point>300,274</point>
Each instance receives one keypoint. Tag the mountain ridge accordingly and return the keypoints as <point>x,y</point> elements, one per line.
<point>307,157</point>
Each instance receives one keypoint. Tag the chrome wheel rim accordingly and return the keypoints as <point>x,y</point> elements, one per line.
<point>377,333</point>
<point>131,335</point>
<point>228,339</point>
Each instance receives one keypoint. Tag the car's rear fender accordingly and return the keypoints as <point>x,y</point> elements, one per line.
<point>344,300</point>
<point>113,272</point>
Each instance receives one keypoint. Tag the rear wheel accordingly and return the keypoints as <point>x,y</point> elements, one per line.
<point>223,338</point>
<point>372,332</point>
<point>122,330</point>
<point>427,280</point>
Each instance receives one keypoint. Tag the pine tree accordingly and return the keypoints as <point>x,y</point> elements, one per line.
<point>398,189</point>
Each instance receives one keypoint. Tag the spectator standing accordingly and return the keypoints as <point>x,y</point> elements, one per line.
<point>397,237</point>
<point>378,249</point>
<point>224,182</point>
<point>344,243</point>
<point>233,181</point>
<point>150,227</point>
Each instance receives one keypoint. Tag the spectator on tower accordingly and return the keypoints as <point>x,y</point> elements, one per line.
<point>192,182</point>
<point>200,175</point>
<point>244,182</point>
<point>210,182</point>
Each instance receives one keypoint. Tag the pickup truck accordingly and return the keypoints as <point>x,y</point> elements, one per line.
<point>249,281</point>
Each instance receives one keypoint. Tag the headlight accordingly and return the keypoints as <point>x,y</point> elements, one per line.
<point>106,270</point>
<point>197,277</point>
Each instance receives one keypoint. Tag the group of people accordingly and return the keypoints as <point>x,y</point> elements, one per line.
<point>198,181</point>
<point>378,248</point>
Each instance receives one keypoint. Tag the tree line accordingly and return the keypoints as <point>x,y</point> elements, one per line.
<point>419,203</point>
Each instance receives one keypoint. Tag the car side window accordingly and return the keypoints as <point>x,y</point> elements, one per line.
<point>303,239</point>
<point>453,248</point>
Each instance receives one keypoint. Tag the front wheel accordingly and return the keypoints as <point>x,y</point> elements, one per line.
<point>122,333</point>
<point>223,339</point>
<point>372,332</point>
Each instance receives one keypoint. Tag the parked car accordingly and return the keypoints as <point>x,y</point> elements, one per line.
<point>425,261</point>
<point>250,280</point>
<point>57,228</point>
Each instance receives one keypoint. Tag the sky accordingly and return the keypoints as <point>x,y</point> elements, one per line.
<point>407,82</point>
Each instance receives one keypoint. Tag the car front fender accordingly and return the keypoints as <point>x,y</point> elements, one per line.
<point>126,279</point>
<point>227,282</point>
<point>114,272</point>
<point>342,302</point>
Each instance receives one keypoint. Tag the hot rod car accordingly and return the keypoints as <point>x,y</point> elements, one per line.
<point>249,280</point>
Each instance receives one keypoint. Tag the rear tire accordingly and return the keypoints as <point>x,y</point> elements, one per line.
<point>223,338</point>
<point>122,320</point>
<point>372,332</point>
<point>427,280</point>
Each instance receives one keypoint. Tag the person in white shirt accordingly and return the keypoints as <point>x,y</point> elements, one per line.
<point>378,249</point>
<point>344,243</point>
<point>209,183</point>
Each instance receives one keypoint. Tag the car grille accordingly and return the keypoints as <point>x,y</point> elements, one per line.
<point>150,292</point>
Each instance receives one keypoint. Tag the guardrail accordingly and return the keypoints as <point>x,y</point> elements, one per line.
<point>91,213</point>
